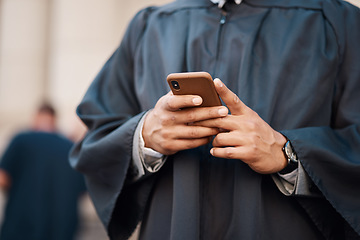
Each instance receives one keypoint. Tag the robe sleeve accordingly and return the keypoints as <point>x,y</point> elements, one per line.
<point>111,111</point>
<point>331,154</point>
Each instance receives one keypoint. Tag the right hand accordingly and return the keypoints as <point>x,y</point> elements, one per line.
<point>167,129</point>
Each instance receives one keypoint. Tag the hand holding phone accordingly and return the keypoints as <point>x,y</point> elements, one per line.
<point>167,127</point>
<point>195,83</point>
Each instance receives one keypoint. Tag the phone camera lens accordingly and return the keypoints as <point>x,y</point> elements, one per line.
<point>175,85</point>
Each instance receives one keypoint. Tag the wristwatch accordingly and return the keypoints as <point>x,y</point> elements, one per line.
<point>291,157</point>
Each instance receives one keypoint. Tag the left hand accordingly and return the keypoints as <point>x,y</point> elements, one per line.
<point>246,136</point>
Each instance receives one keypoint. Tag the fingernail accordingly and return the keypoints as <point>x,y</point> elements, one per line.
<point>236,99</point>
<point>212,151</point>
<point>223,111</point>
<point>197,100</point>
<point>218,82</point>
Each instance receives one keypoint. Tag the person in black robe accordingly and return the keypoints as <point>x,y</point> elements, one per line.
<point>42,190</point>
<point>290,74</point>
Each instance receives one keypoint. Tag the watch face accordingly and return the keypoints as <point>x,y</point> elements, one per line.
<point>290,152</point>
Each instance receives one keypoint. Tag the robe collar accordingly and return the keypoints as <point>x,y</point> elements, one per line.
<point>308,4</point>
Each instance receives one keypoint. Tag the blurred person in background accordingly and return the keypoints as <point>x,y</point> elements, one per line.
<point>42,189</point>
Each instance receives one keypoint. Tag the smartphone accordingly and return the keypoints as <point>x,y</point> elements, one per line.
<point>195,83</point>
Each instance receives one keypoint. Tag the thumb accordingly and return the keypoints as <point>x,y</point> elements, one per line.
<point>232,101</point>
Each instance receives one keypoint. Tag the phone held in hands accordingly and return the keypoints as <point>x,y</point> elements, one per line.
<point>195,83</point>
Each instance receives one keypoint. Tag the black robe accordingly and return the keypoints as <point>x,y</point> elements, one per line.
<point>296,63</point>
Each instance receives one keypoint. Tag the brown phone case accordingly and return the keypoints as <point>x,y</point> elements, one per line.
<point>195,83</point>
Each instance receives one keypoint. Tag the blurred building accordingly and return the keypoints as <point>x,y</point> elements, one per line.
<point>53,49</point>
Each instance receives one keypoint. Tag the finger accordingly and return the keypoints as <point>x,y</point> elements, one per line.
<point>173,102</point>
<point>192,115</point>
<point>235,105</point>
<point>171,147</point>
<point>227,152</point>
<point>190,132</point>
<point>241,153</point>
<point>229,123</point>
<point>230,139</point>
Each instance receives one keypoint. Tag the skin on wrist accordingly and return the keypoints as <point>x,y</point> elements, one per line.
<point>281,140</point>
<point>144,133</point>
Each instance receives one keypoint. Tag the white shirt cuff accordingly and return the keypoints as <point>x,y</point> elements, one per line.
<point>145,159</point>
<point>296,182</point>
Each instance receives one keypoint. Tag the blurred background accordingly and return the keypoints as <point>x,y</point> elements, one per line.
<point>52,49</point>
